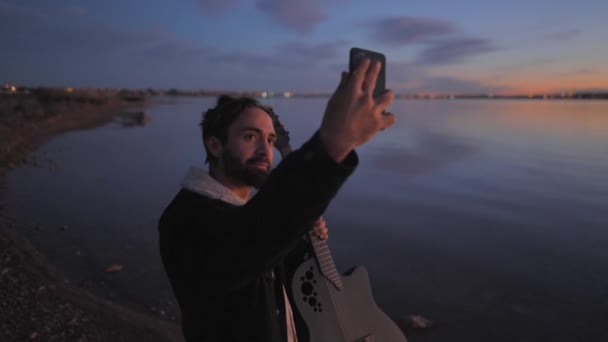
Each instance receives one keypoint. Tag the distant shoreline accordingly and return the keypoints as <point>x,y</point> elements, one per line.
<point>138,94</point>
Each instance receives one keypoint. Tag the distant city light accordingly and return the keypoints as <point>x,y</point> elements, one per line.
<point>69,90</point>
<point>264,94</point>
<point>13,89</point>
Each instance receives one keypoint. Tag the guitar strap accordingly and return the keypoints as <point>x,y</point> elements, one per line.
<point>291,324</point>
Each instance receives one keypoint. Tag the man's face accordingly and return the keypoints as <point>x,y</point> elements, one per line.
<point>247,155</point>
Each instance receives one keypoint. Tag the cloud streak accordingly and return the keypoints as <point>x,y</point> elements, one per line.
<point>442,41</point>
<point>454,51</point>
<point>564,35</point>
<point>411,78</point>
<point>297,15</point>
<point>214,6</point>
<point>293,55</point>
<point>407,30</point>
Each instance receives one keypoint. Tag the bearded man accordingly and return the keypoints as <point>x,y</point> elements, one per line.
<point>229,254</point>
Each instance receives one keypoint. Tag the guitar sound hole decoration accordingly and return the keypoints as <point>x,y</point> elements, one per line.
<point>308,290</point>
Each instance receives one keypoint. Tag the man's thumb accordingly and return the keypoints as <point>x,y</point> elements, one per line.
<point>343,79</point>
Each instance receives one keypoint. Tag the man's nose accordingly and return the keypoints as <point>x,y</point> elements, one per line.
<point>264,147</point>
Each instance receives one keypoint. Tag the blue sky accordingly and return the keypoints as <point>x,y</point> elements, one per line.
<point>431,46</point>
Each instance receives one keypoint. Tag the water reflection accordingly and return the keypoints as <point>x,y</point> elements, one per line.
<point>482,215</point>
<point>431,151</point>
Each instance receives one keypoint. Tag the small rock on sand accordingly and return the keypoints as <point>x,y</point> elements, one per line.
<point>417,322</point>
<point>114,268</point>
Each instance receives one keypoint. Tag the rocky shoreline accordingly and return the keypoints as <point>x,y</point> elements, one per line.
<point>37,302</point>
<point>29,119</point>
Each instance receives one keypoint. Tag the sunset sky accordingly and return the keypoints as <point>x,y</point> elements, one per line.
<point>431,46</point>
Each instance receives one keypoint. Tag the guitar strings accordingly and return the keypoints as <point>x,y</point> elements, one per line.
<point>345,329</point>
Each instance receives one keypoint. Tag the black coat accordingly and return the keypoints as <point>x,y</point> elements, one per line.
<point>227,263</point>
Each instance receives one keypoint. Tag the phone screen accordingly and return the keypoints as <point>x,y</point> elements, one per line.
<point>357,55</point>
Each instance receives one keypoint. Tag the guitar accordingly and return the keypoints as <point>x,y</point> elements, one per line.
<point>335,307</point>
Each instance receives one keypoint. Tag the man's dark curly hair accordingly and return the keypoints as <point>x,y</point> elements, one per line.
<point>216,121</point>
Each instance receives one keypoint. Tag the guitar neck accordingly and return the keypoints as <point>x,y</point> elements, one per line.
<point>325,260</point>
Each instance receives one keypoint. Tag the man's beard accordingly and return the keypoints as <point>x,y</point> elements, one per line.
<point>247,172</point>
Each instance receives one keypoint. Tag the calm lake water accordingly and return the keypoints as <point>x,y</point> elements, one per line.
<point>488,217</point>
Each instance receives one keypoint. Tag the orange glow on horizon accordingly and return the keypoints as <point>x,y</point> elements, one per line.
<point>553,83</point>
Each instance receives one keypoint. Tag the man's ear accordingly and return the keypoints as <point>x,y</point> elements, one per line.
<point>215,146</point>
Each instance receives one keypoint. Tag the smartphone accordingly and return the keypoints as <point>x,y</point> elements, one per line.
<point>357,55</point>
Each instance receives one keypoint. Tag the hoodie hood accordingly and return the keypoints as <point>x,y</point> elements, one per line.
<point>199,181</point>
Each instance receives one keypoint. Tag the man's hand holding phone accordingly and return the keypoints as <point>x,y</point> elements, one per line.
<point>357,55</point>
<point>353,115</point>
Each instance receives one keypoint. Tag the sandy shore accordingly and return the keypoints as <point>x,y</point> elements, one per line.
<point>37,302</point>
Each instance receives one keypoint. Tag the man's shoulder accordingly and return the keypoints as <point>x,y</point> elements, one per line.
<point>186,199</point>
<point>187,209</point>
